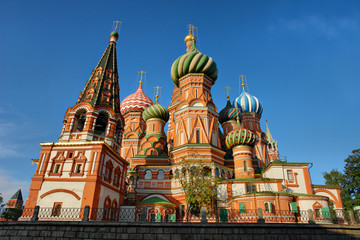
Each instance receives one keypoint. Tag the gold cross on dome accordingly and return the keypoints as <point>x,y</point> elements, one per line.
<point>116,24</point>
<point>157,92</point>
<point>141,76</point>
<point>227,91</point>
<point>191,29</point>
<point>242,80</point>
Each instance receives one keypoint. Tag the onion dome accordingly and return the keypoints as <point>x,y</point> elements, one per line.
<point>240,136</point>
<point>248,103</point>
<point>136,102</point>
<point>228,113</point>
<point>114,36</point>
<point>190,37</point>
<point>193,62</point>
<point>156,111</point>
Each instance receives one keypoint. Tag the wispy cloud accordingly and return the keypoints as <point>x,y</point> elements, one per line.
<point>9,185</point>
<point>328,27</point>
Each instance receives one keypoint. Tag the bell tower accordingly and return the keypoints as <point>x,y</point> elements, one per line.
<point>85,166</point>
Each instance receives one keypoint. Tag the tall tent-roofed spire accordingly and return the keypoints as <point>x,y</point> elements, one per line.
<point>268,134</point>
<point>103,88</point>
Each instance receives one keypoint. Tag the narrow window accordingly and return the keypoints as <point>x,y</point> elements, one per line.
<point>290,175</point>
<point>182,210</point>
<point>245,166</point>
<point>196,93</point>
<point>133,126</point>
<point>56,168</point>
<point>78,168</point>
<point>197,136</point>
<point>153,127</point>
<point>56,209</point>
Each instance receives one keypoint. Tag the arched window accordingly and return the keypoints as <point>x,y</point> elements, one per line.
<point>197,136</point>
<point>222,173</point>
<point>245,166</point>
<point>117,176</point>
<point>79,120</point>
<point>101,123</point>
<point>161,174</point>
<point>216,172</point>
<point>148,174</point>
<point>108,171</point>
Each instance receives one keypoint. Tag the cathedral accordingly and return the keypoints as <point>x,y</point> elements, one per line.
<point>114,154</point>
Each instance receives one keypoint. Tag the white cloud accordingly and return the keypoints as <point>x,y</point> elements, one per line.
<point>9,185</point>
<point>329,27</point>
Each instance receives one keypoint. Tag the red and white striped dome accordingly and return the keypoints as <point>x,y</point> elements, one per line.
<point>136,102</point>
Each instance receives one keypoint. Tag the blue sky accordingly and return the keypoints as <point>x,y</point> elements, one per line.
<point>301,59</point>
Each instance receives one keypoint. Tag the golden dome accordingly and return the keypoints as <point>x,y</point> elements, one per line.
<point>190,37</point>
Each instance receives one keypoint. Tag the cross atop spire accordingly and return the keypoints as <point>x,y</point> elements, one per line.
<point>141,76</point>
<point>242,80</point>
<point>191,29</point>
<point>116,25</point>
<point>227,92</point>
<point>157,92</point>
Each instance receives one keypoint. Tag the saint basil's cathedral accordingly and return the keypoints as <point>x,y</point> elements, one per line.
<point>113,154</point>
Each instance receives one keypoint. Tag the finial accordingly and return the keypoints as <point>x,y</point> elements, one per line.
<point>191,29</point>
<point>141,77</point>
<point>191,35</point>
<point>157,93</point>
<point>227,93</point>
<point>242,80</point>
<point>116,25</point>
<point>114,34</point>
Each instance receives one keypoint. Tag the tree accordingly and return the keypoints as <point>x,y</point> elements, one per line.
<point>349,180</point>
<point>200,187</point>
<point>12,214</point>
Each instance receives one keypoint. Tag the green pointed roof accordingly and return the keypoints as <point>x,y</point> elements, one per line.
<point>104,82</point>
<point>268,134</point>
<point>17,196</point>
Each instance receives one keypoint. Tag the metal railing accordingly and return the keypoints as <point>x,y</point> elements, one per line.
<point>221,215</point>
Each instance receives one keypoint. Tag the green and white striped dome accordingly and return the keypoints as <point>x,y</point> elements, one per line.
<point>193,62</point>
<point>240,136</point>
<point>156,111</point>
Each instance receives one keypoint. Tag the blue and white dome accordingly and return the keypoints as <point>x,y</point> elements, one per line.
<point>247,103</point>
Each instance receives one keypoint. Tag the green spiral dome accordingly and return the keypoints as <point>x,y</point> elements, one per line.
<point>240,137</point>
<point>156,111</point>
<point>193,62</point>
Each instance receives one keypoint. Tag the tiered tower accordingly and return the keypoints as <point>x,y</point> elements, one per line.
<point>193,125</point>
<point>85,167</point>
<point>251,109</point>
<point>132,108</point>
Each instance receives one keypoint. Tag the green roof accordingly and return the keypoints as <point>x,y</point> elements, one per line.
<point>156,200</point>
<point>251,179</point>
<point>17,195</point>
